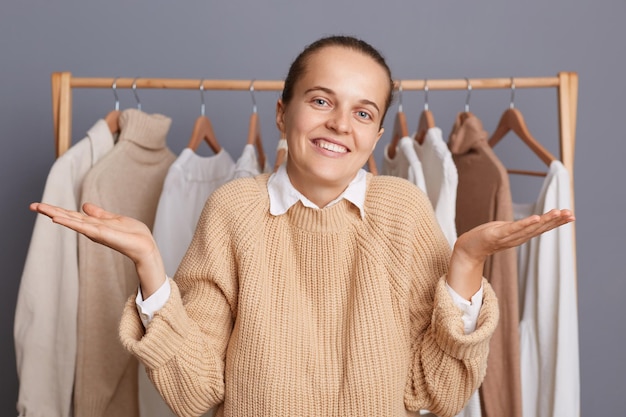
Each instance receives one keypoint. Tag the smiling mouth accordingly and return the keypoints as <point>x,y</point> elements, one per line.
<point>329,146</point>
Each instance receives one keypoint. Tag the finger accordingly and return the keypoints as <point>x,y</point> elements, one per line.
<point>546,222</point>
<point>556,219</point>
<point>96,211</point>
<point>52,211</point>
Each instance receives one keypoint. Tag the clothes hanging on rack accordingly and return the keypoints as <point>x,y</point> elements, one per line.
<point>127,181</point>
<point>405,163</point>
<point>45,314</point>
<point>248,163</point>
<point>549,319</point>
<point>441,179</point>
<point>484,195</point>
<point>189,182</point>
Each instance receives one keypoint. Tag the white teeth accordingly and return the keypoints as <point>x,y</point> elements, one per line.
<point>331,147</point>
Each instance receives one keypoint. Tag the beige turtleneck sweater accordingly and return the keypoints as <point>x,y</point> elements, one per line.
<point>484,195</point>
<point>316,312</point>
<point>128,181</point>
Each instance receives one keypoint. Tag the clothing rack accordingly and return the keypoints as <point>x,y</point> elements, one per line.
<point>566,84</point>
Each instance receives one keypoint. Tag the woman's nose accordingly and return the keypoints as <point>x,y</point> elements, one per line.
<point>339,121</point>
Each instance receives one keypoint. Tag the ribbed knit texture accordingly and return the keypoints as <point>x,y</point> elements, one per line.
<point>128,181</point>
<point>484,195</point>
<point>314,312</point>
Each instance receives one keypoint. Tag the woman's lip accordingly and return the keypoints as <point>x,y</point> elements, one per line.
<point>328,140</point>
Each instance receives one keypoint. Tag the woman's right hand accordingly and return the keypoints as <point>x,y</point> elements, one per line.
<point>124,234</point>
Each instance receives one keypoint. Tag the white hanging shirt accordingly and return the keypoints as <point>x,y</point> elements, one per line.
<point>47,301</point>
<point>406,163</point>
<point>189,182</point>
<point>248,163</point>
<point>441,178</point>
<point>549,317</point>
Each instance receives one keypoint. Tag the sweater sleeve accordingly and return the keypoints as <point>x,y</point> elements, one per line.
<point>184,346</point>
<point>448,365</point>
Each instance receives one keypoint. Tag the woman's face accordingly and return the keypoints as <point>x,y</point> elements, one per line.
<point>332,122</point>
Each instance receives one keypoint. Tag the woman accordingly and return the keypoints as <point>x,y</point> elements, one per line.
<point>320,289</point>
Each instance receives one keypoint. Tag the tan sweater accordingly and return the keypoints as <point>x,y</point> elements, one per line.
<point>128,180</point>
<point>483,195</point>
<point>314,312</point>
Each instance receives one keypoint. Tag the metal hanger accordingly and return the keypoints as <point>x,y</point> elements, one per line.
<point>254,130</point>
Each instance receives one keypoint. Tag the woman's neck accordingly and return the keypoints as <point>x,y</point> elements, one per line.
<point>319,192</point>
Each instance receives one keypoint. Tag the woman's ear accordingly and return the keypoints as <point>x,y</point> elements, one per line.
<point>280,116</point>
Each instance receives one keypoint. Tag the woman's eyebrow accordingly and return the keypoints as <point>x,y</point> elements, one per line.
<point>319,87</point>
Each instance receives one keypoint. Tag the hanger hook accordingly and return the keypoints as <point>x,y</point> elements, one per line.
<point>114,88</point>
<point>135,93</point>
<point>512,105</point>
<point>469,92</point>
<point>399,95</point>
<point>254,108</point>
<point>426,94</point>
<point>202,105</point>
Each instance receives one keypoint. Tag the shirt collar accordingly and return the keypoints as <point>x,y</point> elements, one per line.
<point>283,194</point>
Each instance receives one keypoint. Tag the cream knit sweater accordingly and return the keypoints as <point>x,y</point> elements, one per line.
<point>314,312</point>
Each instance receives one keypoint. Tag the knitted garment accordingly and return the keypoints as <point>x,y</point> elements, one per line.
<point>316,312</point>
<point>484,195</point>
<point>127,180</point>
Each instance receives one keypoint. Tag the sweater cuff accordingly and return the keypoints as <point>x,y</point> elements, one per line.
<point>163,337</point>
<point>448,323</point>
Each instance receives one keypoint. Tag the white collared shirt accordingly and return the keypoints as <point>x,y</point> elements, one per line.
<point>283,195</point>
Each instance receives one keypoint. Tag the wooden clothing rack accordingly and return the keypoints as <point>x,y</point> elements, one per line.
<point>566,84</point>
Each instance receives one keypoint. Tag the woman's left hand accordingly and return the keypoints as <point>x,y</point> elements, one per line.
<point>474,246</point>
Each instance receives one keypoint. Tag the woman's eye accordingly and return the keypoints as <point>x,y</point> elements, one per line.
<point>320,101</point>
<point>363,115</point>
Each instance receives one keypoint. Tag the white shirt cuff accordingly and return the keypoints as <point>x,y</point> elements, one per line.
<point>470,309</point>
<point>152,304</point>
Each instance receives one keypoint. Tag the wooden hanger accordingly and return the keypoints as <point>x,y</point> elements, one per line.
<point>512,120</point>
<point>281,152</point>
<point>113,118</point>
<point>400,128</point>
<point>254,131</point>
<point>427,120</point>
<point>113,121</point>
<point>203,129</point>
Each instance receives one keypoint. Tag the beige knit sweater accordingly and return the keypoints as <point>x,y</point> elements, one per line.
<point>127,180</point>
<point>314,312</point>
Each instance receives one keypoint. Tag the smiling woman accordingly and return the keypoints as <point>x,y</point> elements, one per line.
<point>319,289</point>
<point>332,120</point>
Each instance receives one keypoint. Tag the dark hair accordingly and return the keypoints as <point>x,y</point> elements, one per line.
<point>298,67</point>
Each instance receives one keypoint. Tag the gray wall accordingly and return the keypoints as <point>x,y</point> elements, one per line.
<point>251,39</point>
